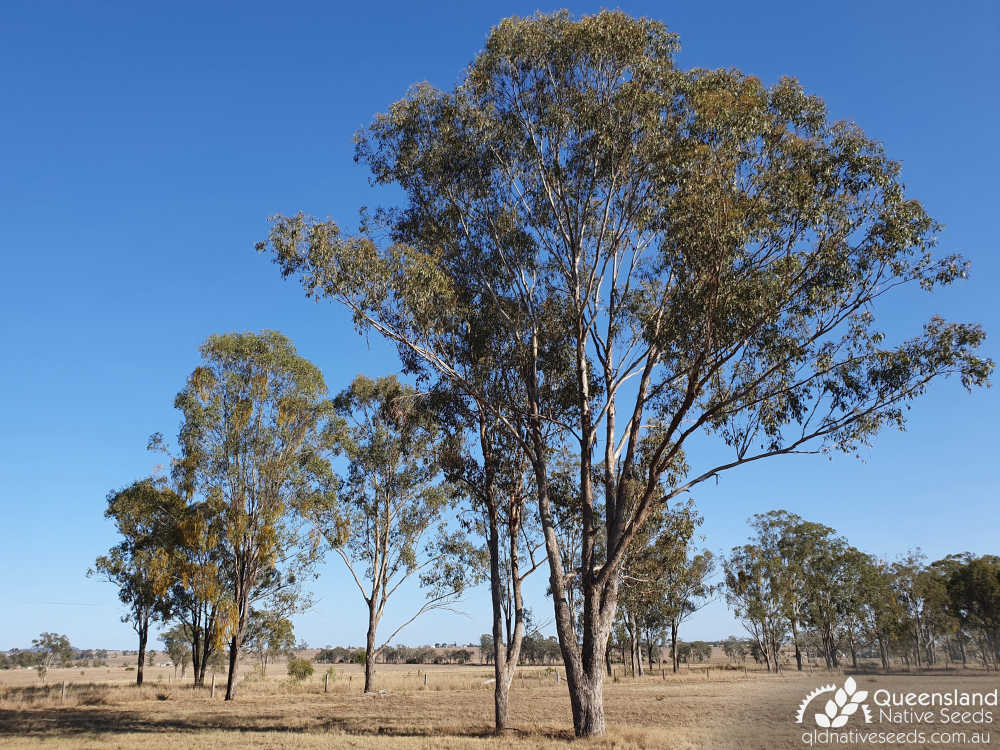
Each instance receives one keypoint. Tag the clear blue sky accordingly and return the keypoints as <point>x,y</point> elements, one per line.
<point>142,147</point>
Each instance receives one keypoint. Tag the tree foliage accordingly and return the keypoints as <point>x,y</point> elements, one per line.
<point>717,245</point>
<point>255,444</point>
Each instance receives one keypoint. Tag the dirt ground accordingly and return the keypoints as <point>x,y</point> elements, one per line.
<point>725,709</point>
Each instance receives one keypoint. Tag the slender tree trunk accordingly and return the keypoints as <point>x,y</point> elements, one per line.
<point>795,640</point>
<point>143,630</point>
<point>370,647</point>
<point>674,656</point>
<point>243,612</point>
<point>234,656</point>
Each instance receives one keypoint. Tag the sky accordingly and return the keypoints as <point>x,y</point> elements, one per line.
<point>143,146</point>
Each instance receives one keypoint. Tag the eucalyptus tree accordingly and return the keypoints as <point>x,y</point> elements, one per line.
<point>494,472</point>
<point>255,443</point>
<point>908,585</point>
<point>752,580</point>
<point>664,580</point>
<point>201,591</point>
<point>974,590</point>
<point>795,544</point>
<point>701,251</point>
<point>391,521</point>
<point>177,643</point>
<point>52,649</point>
<point>145,514</point>
<point>878,609</point>
<point>269,634</point>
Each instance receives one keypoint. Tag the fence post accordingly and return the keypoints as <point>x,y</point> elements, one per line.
<point>706,673</point>
<point>62,697</point>
<point>425,679</point>
<point>212,695</point>
<point>326,683</point>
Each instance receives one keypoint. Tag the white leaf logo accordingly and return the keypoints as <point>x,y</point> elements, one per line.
<point>831,709</point>
<point>842,706</point>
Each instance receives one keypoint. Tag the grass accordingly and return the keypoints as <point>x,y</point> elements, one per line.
<point>454,710</point>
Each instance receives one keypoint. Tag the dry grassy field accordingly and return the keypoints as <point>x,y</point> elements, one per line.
<point>726,709</point>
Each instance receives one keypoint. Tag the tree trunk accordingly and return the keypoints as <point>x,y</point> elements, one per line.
<point>798,651</point>
<point>143,630</point>
<point>370,648</point>
<point>674,656</point>
<point>234,655</point>
<point>196,669</point>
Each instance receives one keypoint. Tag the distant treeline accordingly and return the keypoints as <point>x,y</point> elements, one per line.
<point>799,586</point>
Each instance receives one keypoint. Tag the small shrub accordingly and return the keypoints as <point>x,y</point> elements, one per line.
<point>300,669</point>
<point>162,696</point>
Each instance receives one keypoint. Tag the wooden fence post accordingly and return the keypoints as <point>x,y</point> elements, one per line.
<point>62,697</point>
<point>212,695</point>
<point>326,683</point>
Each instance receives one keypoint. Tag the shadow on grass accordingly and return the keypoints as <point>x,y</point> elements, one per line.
<point>69,721</point>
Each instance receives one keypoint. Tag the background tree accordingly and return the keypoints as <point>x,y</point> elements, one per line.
<point>177,642</point>
<point>494,472</point>
<point>269,634</point>
<point>390,523</point>
<point>752,582</point>
<point>51,649</point>
<point>145,515</point>
<point>717,245</point>
<point>255,419</point>
<point>974,589</point>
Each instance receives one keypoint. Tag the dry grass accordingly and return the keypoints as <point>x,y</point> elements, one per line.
<point>454,710</point>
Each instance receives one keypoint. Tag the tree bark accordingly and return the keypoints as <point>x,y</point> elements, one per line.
<point>370,648</point>
<point>798,651</point>
<point>234,655</point>
<point>674,656</point>
<point>143,630</point>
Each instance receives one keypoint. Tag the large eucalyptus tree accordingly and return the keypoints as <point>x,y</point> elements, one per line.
<point>686,251</point>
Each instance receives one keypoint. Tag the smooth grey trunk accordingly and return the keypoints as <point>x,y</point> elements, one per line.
<point>370,653</point>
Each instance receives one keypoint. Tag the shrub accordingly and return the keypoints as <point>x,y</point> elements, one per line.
<point>300,669</point>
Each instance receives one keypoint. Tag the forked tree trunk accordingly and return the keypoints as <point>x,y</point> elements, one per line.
<point>506,641</point>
